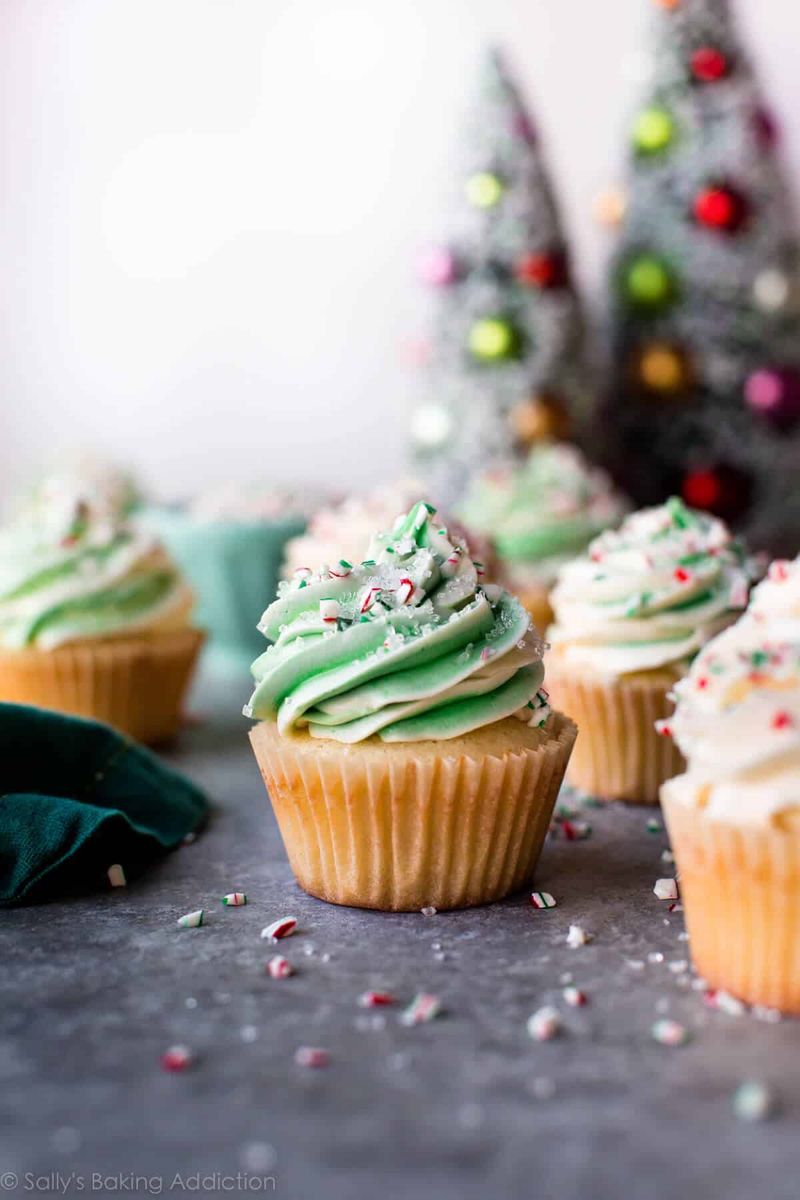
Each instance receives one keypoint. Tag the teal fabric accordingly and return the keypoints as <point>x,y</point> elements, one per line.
<point>75,798</point>
<point>233,567</point>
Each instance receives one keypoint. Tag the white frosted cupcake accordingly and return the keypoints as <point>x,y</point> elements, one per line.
<point>734,814</point>
<point>630,616</point>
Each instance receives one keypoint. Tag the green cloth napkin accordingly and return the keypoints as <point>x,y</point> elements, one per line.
<point>75,798</point>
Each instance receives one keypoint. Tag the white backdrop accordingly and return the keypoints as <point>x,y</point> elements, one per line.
<point>209,211</point>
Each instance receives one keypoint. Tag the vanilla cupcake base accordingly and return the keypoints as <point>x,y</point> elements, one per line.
<point>403,826</point>
<point>740,888</point>
<point>619,755</point>
<point>135,683</point>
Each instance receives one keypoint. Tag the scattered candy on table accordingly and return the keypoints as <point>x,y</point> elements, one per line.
<point>311,1056</point>
<point>234,899</point>
<point>191,920</point>
<point>177,1058</point>
<point>375,999</point>
<point>753,1101</point>
<point>574,997</point>
<point>669,1033</point>
<point>423,1008</point>
<point>279,967</point>
<point>666,889</point>
<point>542,900</point>
<point>283,927</point>
<point>544,1024</point>
<point>577,936</point>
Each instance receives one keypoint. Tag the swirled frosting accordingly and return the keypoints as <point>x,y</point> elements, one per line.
<point>408,645</point>
<point>544,512</point>
<point>737,716</point>
<point>650,594</point>
<point>71,567</point>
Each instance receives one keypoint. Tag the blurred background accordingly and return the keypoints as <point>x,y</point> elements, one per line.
<point>210,212</point>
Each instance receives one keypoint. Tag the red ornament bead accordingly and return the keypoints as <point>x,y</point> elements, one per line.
<point>720,207</point>
<point>709,65</point>
<point>542,270</point>
<point>719,489</point>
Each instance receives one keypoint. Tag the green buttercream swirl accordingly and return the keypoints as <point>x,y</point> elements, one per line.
<point>408,645</point>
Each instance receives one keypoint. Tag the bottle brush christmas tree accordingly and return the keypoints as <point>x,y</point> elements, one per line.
<point>706,290</point>
<point>505,351</point>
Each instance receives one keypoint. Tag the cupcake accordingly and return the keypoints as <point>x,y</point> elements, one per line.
<point>734,815</point>
<point>630,616</point>
<point>230,543</point>
<point>404,735</point>
<point>539,515</point>
<point>95,619</point>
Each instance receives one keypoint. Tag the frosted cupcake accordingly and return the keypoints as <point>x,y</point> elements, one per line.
<point>734,815</point>
<point>630,616</point>
<point>405,738</point>
<point>230,542</point>
<point>539,515</point>
<point>95,619</point>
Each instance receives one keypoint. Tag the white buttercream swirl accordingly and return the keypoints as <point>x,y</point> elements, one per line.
<point>650,594</point>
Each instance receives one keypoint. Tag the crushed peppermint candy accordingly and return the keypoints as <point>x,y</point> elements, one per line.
<point>311,1056</point>
<point>116,876</point>
<point>722,1001</point>
<point>406,590</point>
<point>667,856</point>
<point>577,936</point>
<point>669,1033</point>
<point>283,927</point>
<point>344,569</point>
<point>375,999</point>
<point>423,1008</point>
<point>753,1101</point>
<point>429,911</point>
<point>368,598</point>
<point>576,831</point>
<point>234,900</point>
<point>654,825</point>
<point>666,889</point>
<point>191,920</point>
<point>177,1058</point>
<point>279,967</point>
<point>574,997</point>
<point>544,1024</point>
<point>542,900</point>
<point>330,610</point>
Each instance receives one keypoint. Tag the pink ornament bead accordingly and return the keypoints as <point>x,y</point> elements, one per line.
<point>437,267</point>
<point>763,390</point>
<point>774,393</point>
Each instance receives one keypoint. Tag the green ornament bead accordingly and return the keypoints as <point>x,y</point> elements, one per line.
<point>492,339</point>
<point>484,190</point>
<point>648,283</point>
<point>653,130</point>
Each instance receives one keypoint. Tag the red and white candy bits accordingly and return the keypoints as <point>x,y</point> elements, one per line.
<point>283,927</point>
<point>423,1008</point>
<point>666,889</point>
<point>191,920</point>
<point>177,1058</point>
<point>577,936</point>
<point>669,1033</point>
<point>542,900</point>
<point>234,900</point>
<point>279,967</point>
<point>544,1024</point>
<point>375,999</point>
<point>311,1056</point>
<point>574,997</point>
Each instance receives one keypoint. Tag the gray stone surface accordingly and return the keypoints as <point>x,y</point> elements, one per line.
<point>94,990</point>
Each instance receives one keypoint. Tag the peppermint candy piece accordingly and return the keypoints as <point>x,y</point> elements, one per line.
<point>283,927</point>
<point>423,1008</point>
<point>666,889</point>
<point>234,900</point>
<point>191,920</point>
<point>669,1033</point>
<point>279,967</point>
<point>177,1058</point>
<point>544,1024</point>
<point>311,1056</point>
<point>542,900</point>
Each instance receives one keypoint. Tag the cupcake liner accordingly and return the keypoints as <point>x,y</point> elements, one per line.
<point>403,826</point>
<point>740,887</point>
<point>137,683</point>
<point>619,755</point>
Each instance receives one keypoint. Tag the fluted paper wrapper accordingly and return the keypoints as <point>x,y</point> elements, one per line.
<point>740,888</point>
<point>619,755</point>
<point>137,683</point>
<point>402,826</point>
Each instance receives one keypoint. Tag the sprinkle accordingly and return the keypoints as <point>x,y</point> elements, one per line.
<point>330,610</point>
<point>724,1002</point>
<point>666,889</point>
<point>423,1008</point>
<point>542,900</point>
<point>177,1058</point>
<point>544,1024</point>
<point>574,997</point>
<point>428,911</point>
<point>669,1033</point>
<point>681,575</point>
<point>116,876</point>
<point>369,598</point>
<point>280,929</point>
<point>234,900</point>
<point>654,826</point>
<point>753,1101</point>
<point>576,831</point>
<point>279,967</point>
<point>375,999</point>
<point>782,720</point>
<point>191,920</point>
<point>311,1056</point>
<point>577,937</point>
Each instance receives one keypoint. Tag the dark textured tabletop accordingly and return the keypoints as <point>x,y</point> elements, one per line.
<point>93,991</point>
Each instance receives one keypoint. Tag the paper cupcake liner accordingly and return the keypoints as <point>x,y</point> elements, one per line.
<point>137,683</point>
<point>740,888</point>
<point>400,827</point>
<point>619,755</point>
